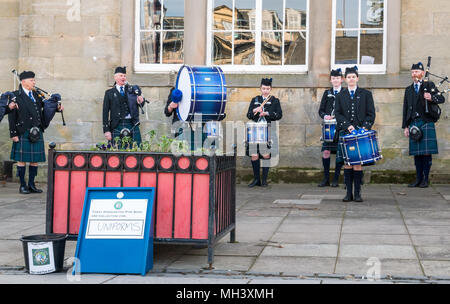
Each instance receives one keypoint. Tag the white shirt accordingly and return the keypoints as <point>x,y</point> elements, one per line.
<point>28,93</point>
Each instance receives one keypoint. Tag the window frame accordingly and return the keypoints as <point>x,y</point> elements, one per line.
<point>362,68</point>
<point>150,67</point>
<point>258,68</point>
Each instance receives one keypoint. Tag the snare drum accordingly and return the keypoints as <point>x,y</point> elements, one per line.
<point>212,129</point>
<point>204,92</point>
<point>257,133</point>
<point>360,148</point>
<point>328,130</point>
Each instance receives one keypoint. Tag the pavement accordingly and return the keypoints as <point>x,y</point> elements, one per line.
<point>286,233</point>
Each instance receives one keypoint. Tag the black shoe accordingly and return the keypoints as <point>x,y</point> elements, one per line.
<point>358,198</point>
<point>335,183</point>
<point>424,184</point>
<point>417,183</point>
<point>254,183</point>
<point>24,190</point>
<point>324,183</point>
<point>264,184</point>
<point>33,189</point>
<point>348,198</point>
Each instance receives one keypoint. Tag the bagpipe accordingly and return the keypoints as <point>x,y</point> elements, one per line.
<point>136,91</point>
<point>432,109</point>
<point>51,101</point>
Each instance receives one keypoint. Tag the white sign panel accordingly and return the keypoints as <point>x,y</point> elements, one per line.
<point>116,219</point>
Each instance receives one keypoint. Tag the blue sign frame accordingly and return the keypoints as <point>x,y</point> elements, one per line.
<point>121,254</point>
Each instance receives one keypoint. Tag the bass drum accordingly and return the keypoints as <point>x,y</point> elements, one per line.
<point>204,92</point>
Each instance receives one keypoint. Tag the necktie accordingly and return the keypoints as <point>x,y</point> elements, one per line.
<point>335,92</point>
<point>352,93</point>
<point>31,96</point>
<point>416,87</point>
<point>122,92</point>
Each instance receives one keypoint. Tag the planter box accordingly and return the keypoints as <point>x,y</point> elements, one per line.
<point>195,195</point>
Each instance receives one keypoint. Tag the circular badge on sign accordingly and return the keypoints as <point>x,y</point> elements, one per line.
<point>120,195</point>
<point>118,205</point>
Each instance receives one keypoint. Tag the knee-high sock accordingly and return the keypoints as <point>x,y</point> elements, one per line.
<point>418,162</point>
<point>32,173</point>
<point>357,179</point>
<point>21,175</point>
<point>265,173</point>
<point>348,177</point>
<point>337,171</point>
<point>427,161</point>
<point>326,167</point>
<point>256,166</point>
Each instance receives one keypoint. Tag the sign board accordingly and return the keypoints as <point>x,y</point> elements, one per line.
<point>116,231</point>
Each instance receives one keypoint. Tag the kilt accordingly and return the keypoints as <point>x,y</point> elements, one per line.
<point>330,146</point>
<point>428,144</point>
<point>127,124</point>
<point>27,152</point>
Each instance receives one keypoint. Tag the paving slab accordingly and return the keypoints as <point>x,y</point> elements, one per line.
<point>301,250</point>
<point>434,253</point>
<point>378,251</point>
<point>385,267</point>
<point>437,268</point>
<point>299,265</point>
<point>374,239</point>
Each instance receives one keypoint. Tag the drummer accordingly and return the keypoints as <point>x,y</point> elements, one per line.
<point>262,108</point>
<point>326,112</point>
<point>354,110</point>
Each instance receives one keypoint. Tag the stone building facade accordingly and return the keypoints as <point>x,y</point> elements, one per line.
<point>74,45</point>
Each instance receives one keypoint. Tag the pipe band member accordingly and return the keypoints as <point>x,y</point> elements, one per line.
<point>326,112</point>
<point>120,110</point>
<point>422,147</point>
<point>6,104</point>
<point>267,107</point>
<point>27,122</point>
<point>354,109</point>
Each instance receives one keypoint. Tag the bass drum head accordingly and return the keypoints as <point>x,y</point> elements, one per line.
<point>184,85</point>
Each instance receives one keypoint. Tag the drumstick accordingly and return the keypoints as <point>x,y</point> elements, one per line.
<point>265,101</point>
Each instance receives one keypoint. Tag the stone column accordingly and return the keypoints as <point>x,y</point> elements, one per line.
<point>394,14</point>
<point>195,23</point>
<point>320,41</point>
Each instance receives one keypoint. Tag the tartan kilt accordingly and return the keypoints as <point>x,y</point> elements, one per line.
<point>27,152</point>
<point>428,144</point>
<point>127,124</point>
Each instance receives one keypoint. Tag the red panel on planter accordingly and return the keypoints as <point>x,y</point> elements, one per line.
<point>61,160</point>
<point>113,162</point>
<point>79,161</point>
<point>77,191</point>
<point>131,162</point>
<point>166,162</point>
<point>148,162</point>
<point>183,206</point>
<point>148,179</point>
<point>96,161</point>
<point>200,209</point>
<point>131,179</point>
<point>60,201</point>
<point>113,179</point>
<point>164,206</point>
<point>95,179</point>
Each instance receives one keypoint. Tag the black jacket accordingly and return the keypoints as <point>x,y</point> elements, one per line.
<point>111,108</point>
<point>174,111</point>
<point>363,115</point>
<point>413,103</point>
<point>273,107</point>
<point>327,104</point>
<point>28,115</point>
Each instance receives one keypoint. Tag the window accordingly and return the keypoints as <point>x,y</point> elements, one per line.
<point>258,35</point>
<point>359,35</point>
<point>159,35</point>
